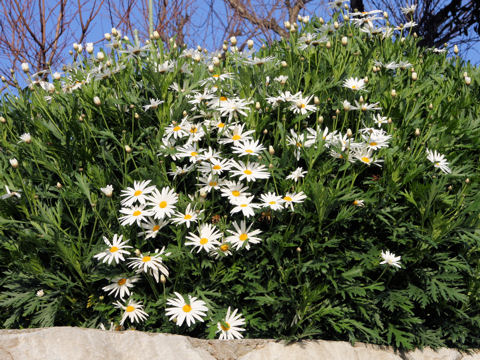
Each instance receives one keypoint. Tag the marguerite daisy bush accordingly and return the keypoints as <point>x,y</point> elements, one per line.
<point>250,193</point>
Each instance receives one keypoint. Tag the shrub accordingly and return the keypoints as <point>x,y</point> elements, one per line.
<point>354,154</point>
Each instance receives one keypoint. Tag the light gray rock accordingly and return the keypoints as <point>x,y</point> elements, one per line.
<point>67,343</point>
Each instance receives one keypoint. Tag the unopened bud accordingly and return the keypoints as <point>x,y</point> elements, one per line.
<point>163,279</point>
<point>59,186</point>
<point>450,188</point>
<point>336,25</point>
<point>385,15</point>
<point>75,46</point>
<point>89,48</point>
<point>137,252</point>
<point>25,67</point>
<point>365,79</point>
<point>346,18</point>
<point>107,36</point>
<point>233,40</point>
<point>265,131</point>
<point>270,166</point>
<point>328,45</point>
<point>216,61</point>
<point>211,68</point>
<point>97,101</point>
<point>284,64</point>
<point>430,106</point>
<point>257,105</point>
<point>136,116</point>
<point>14,163</point>
<point>349,133</point>
<point>414,76</point>
<point>225,47</point>
<point>299,249</point>
<point>389,120</point>
<point>114,32</point>
<point>465,74</point>
<point>203,194</point>
<point>361,100</point>
<point>455,49</point>
<point>100,56</point>
<point>344,41</point>
<point>128,149</point>
<point>321,21</point>
<point>417,132</point>
<point>287,24</point>
<point>393,93</point>
<point>3,120</point>
<point>468,80</point>
<point>467,181</point>
<point>320,119</point>
<point>316,100</point>
<point>271,150</point>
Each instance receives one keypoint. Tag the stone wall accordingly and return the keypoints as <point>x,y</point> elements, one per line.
<point>69,343</point>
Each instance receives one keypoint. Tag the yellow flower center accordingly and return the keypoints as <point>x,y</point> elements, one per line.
<point>354,87</point>
<point>355,202</point>
<point>193,153</point>
<point>121,282</point>
<point>137,213</point>
<point>247,171</point>
<point>249,151</point>
<point>243,205</point>
<point>287,198</point>
<point>156,228</point>
<point>186,308</point>
<point>146,258</point>
<point>437,164</point>
<point>272,202</point>
<point>243,237</point>
<point>221,124</point>
<point>216,167</point>
<point>224,247</point>
<point>203,241</point>
<point>177,128</point>
<point>130,308</point>
<point>298,144</point>
<point>137,193</point>
<point>215,76</point>
<point>223,98</point>
<point>212,183</point>
<point>366,159</point>
<point>113,249</point>
<point>187,217</point>
<point>236,193</point>
<point>163,204</point>
<point>236,137</point>
<point>373,143</point>
<point>193,130</point>
<point>225,327</point>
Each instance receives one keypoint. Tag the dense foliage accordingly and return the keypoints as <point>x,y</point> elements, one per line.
<point>388,134</point>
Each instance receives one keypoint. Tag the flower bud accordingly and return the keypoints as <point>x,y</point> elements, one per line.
<point>3,120</point>
<point>467,181</point>
<point>216,61</point>
<point>455,49</point>
<point>344,41</point>
<point>328,45</point>
<point>137,252</point>
<point>287,24</point>
<point>210,68</point>
<point>389,120</point>
<point>346,18</point>
<point>270,166</point>
<point>450,188</point>
<point>40,293</point>
<point>25,67</point>
<point>284,64</point>
<point>430,106</point>
<point>361,100</point>
<point>233,40</point>
<point>107,36</point>
<point>316,100</point>
<point>320,119</point>
<point>136,116</point>
<point>89,48</point>
<point>115,32</point>
<point>59,186</point>
<point>417,132</point>
<point>321,20</point>
<point>156,35</point>
<point>257,105</point>
<point>108,63</point>
<point>100,56</point>
<point>75,46</point>
<point>56,76</point>
<point>128,149</point>
<point>97,101</point>
<point>365,79</point>
<point>465,74</point>
<point>385,15</point>
<point>265,132</point>
<point>250,43</point>
<point>126,38</point>
<point>299,249</point>
<point>393,93</point>
<point>414,76</point>
<point>336,25</point>
<point>14,163</point>
<point>271,150</point>
<point>349,133</point>
<point>225,47</point>
<point>468,80</point>
<point>163,279</point>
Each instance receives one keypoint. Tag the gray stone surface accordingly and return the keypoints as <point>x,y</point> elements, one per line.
<point>67,343</point>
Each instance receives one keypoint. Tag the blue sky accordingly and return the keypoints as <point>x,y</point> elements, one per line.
<point>102,25</point>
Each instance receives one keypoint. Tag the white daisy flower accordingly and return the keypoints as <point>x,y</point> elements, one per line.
<point>222,250</point>
<point>134,214</point>
<point>190,215</point>
<point>250,171</point>
<point>380,120</point>
<point>242,236</point>
<point>354,84</point>
<point>297,140</point>
<point>209,183</point>
<point>230,328</point>
<point>163,203</point>
<point>26,138</point>
<point>390,259</point>
<point>177,131</point>
<point>120,286</point>
<point>153,104</point>
<point>136,193</point>
<point>188,311</point>
<point>232,190</point>
<point>234,106</point>
<point>248,148</point>
<point>245,205</point>
<point>151,264</point>
<point>152,227</point>
<point>291,198</point>
<point>359,203</point>
<point>133,311</point>
<point>271,200</point>
<point>296,174</point>
<point>207,238</point>
<point>191,152</point>
<point>235,135</point>
<point>10,194</point>
<point>364,155</point>
<point>215,166</point>
<point>301,106</point>
<point>438,160</point>
<point>115,250</point>
<point>180,170</point>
